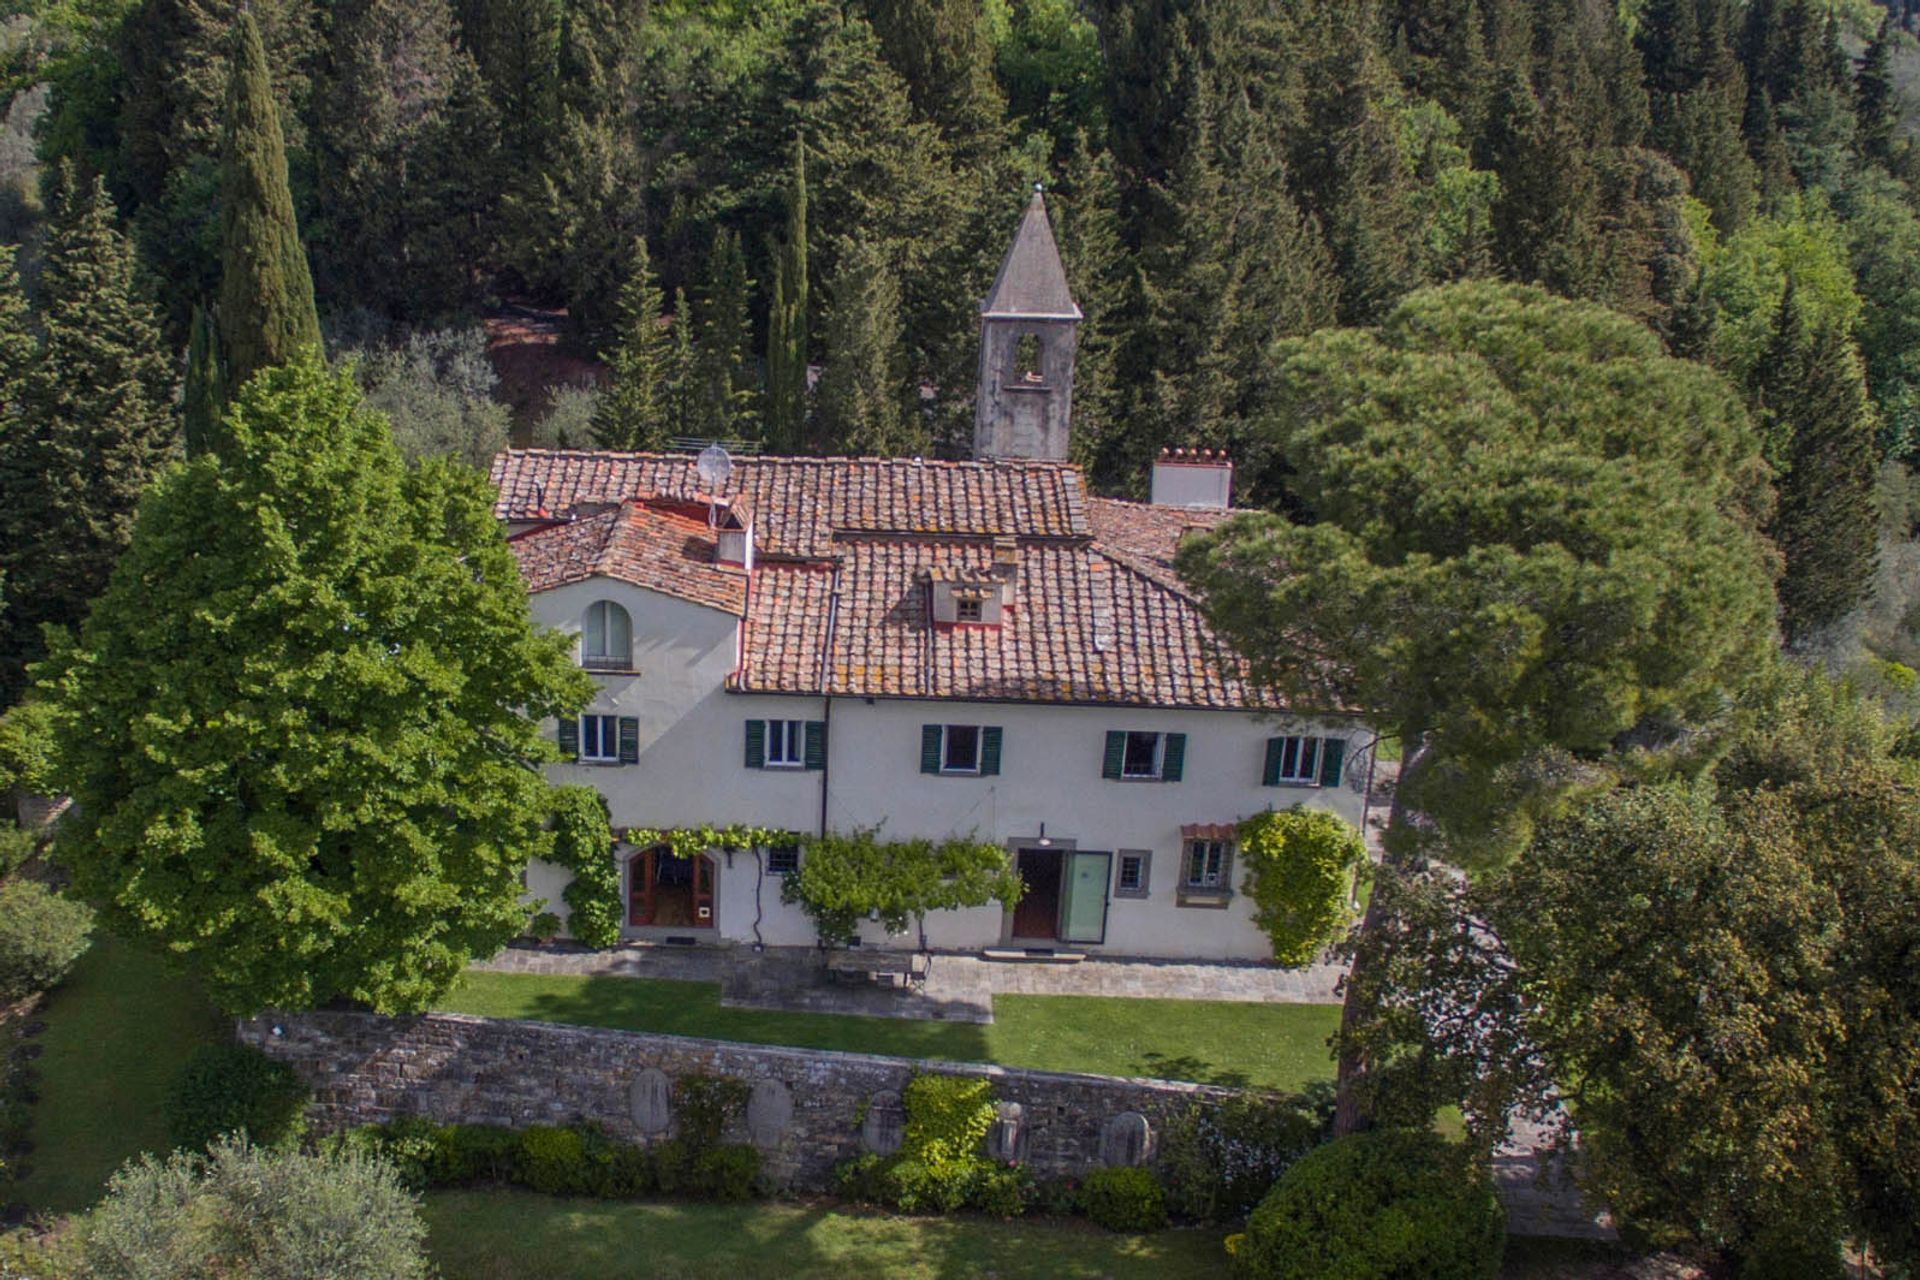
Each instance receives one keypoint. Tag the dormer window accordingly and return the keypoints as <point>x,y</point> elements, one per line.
<point>967,610</point>
<point>606,639</point>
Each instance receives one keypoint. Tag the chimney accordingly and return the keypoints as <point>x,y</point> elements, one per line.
<point>1193,478</point>
<point>733,537</point>
<point>1006,567</point>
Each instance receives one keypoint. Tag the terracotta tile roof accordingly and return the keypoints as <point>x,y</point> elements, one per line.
<point>801,503</point>
<point>647,544</point>
<point>846,549</point>
<point>1084,630</point>
<point>1146,536</point>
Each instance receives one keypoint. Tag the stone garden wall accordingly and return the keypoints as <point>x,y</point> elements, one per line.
<point>810,1109</point>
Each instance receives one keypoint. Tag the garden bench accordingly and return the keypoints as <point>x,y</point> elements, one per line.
<point>898,970</point>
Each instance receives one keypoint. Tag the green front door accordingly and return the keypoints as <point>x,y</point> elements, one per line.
<point>1083,907</point>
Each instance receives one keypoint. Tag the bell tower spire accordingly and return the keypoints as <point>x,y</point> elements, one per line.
<point>1029,327</point>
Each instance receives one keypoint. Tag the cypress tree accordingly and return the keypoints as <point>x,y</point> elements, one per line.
<point>680,384</point>
<point>788,318</point>
<point>200,399</point>
<point>634,411</point>
<point>723,402</point>
<point>1876,108</point>
<point>97,425</point>
<point>862,407</point>
<point>942,51</point>
<point>19,350</point>
<point>1819,432</point>
<point>266,293</point>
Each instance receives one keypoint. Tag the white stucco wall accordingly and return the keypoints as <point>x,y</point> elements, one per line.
<point>692,770</point>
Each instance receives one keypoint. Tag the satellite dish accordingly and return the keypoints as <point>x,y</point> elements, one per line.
<point>714,467</point>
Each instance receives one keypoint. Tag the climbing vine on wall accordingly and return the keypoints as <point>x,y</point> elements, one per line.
<point>1299,868</point>
<point>583,844</point>
<point>846,878</point>
<point>689,842</point>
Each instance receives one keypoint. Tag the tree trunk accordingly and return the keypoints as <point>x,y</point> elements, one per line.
<point>1349,1113</point>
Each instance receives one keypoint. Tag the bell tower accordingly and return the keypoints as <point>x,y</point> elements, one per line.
<point>1029,326</point>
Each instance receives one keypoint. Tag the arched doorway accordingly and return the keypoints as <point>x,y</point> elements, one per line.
<point>668,892</point>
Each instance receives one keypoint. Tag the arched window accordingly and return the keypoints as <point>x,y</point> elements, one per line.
<point>1027,358</point>
<point>606,642</point>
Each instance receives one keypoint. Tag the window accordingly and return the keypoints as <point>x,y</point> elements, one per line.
<point>785,744</point>
<point>600,739</point>
<point>962,752</point>
<point>783,859</point>
<point>967,611</point>
<point>606,641</point>
<point>960,749</point>
<point>1026,358</point>
<point>1130,874</point>
<point>1137,756</point>
<point>1299,760</point>
<point>1304,762</point>
<point>1142,758</point>
<point>1206,864</point>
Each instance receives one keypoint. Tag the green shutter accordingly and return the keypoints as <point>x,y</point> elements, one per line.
<point>1116,753</point>
<point>1270,772</point>
<point>1173,760</point>
<point>629,740</point>
<point>929,748</point>
<point>570,737</point>
<point>1333,754</point>
<point>816,756</point>
<point>756,744</point>
<point>990,750</point>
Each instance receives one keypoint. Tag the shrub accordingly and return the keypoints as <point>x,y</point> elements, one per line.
<point>16,846</point>
<point>1125,1199</point>
<point>1218,1160</point>
<point>41,935</point>
<point>1001,1191</point>
<point>727,1173</point>
<point>1059,1197</point>
<point>544,927</point>
<point>706,1106</point>
<point>1393,1202</point>
<point>554,1160</point>
<point>1299,863</point>
<point>234,1088</point>
<point>469,1153</point>
<point>415,1148</point>
<point>240,1210</point>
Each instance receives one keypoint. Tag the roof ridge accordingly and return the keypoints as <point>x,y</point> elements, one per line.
<point>791,459</point>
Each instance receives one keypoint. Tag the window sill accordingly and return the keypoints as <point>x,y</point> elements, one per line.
<point>1136,895</point>
<point>594,670</point>
<point>959,773</point>
<point>1296,782</point>
<point>1205,899</point>
<point>1138,777</point>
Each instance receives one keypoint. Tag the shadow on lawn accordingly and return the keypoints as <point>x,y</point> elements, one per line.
<point>1162,1066</point>
<point>694,1009</point>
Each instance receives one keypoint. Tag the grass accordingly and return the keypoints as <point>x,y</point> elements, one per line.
<point>118,1030</point>
<point>505,1235</point>
<point>1281,1046</point>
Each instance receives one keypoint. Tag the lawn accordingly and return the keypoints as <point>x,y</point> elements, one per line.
<point>504,1235</point>
<point>117,1032</point>
<point>1282,1046</point>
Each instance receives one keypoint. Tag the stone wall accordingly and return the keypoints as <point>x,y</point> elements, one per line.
<point>809,1110</point>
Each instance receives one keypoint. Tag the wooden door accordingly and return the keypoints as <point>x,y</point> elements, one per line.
<point>703,869</point>
<point>640,887</point>
<point>1037,914</point>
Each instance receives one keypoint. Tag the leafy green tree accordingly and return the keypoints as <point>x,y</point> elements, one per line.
<point>1818,429</point>
<point>96,426</point>
<point>1508,558</point>
<point>1745,275</point>
<point>303,721</point>
<point>634,413</point>
<point>862,405</point>
<point>788,320</point>
<point>1734,1047</point>
<point>437,390</point>
<point>246,1211</point>
<point>266,312</point>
